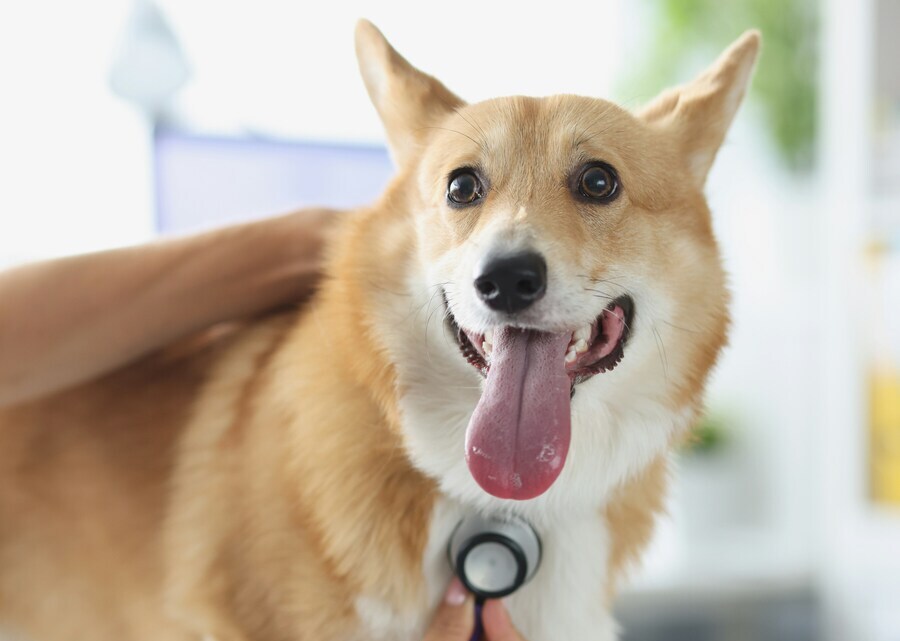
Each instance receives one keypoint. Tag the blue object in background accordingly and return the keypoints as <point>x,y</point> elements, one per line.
<point>201,181</point>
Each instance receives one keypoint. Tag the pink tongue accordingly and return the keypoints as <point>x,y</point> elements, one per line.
<point>518,438</point>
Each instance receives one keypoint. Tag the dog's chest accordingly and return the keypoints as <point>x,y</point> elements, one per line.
<point>564,600</point>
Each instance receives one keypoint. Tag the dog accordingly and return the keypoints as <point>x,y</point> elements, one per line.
<point>522,325</point>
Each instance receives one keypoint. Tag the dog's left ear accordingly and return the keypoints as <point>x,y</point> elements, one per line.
<point>699,113</point>
<point>407,100</point>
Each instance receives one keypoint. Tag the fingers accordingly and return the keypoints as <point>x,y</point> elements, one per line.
<point>497,624</point>
<point>455,618</point>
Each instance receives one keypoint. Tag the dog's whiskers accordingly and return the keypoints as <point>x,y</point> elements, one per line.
<point>661,350</point>
<point>431,314</point>
<point>582,139</point>
<point>480,146</point>
<point>595,280</point>
<point>683,329</point>
<point>417,309</point>
<point>599,293</point>
<point>481,133</point>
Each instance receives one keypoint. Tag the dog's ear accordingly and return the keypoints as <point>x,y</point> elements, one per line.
<point>407,100</point>
<point>699,113</point>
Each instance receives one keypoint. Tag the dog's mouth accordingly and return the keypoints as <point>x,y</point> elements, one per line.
<point>592,349</point>
<point>518,437</point>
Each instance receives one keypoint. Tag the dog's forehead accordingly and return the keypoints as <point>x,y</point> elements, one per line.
<point>542,129</point>
<point>526,143</point>
<point>531,146</point>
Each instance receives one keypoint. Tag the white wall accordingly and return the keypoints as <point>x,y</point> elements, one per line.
<point>281,67</point>
<point>74,161</point>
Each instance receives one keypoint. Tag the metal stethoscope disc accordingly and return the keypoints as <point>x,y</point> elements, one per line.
<point>494,557</point>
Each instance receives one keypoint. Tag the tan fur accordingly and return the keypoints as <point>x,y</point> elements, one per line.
<point>83,479</point>
<point>631,515</point>
<point>254,485</point>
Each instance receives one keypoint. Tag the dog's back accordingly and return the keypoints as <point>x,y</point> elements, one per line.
<point>83,490</point>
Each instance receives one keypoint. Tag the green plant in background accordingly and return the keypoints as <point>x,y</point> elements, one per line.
<point>785,84</point>
<point>710,435</point>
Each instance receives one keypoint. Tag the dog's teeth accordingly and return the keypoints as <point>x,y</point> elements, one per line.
<point>581,345</point>
<point>487,348</point>
<point>489,336</point>
<point>570,357</point>
<point>582,334</point>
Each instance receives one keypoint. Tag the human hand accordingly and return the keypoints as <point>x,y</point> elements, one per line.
<point>455,618</point>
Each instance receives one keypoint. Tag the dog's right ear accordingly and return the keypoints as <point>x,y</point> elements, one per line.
<point>407,100</point>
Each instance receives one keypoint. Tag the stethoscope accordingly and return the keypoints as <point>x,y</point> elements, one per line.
<point>493,558</point>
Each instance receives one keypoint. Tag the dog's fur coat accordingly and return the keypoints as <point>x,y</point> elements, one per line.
<point>296,478</point>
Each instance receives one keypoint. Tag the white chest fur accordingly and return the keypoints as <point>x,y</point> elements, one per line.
<point>564,600</point>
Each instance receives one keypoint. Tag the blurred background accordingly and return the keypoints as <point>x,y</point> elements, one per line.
<point>121,120</point>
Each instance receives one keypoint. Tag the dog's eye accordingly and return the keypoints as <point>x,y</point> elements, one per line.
<point>599,182</point>
<point>464,188</point>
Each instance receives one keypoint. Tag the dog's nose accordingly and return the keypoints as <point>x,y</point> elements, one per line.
<point>512,283</point>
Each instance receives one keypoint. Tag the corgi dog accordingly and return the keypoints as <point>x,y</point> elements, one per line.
<point>522,325</point>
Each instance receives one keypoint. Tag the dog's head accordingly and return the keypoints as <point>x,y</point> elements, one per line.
<point>571,245</point>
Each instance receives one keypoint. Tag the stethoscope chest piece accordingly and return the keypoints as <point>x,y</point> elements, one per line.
<point>494,557</point>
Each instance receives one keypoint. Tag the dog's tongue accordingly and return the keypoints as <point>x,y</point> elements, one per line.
<point>518,438</point>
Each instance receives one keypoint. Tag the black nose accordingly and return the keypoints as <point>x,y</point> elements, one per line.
<point>512,283</point>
